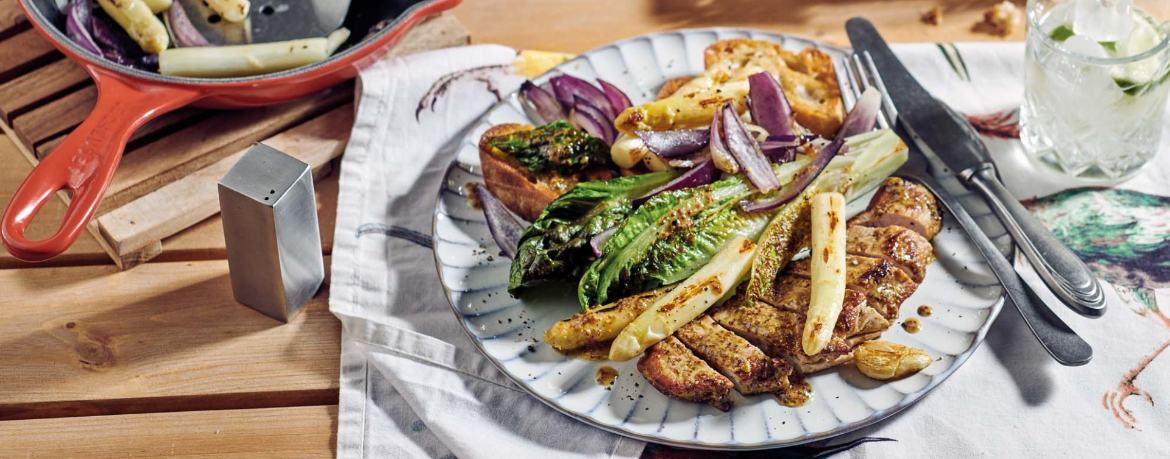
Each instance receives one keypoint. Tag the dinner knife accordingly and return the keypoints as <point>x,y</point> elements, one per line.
<point>938,129</point>
<point>1061,342</point>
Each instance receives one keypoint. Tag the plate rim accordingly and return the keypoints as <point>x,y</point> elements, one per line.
<point>874,418</point>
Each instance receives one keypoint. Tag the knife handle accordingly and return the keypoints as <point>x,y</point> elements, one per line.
<point>1064,273</point>
<point>1061,342</point>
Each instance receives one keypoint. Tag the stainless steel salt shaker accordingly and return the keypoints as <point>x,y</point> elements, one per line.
<point>270,226</point>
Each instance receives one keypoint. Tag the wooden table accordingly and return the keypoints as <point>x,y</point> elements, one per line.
<point>159,360</point>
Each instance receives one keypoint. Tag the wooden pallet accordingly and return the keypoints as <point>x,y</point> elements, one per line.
<point>167,179</point>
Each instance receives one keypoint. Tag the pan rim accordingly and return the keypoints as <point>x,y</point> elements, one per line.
<point>77,53</point>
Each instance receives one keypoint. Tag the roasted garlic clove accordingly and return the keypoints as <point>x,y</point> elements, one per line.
<point>884,360</point>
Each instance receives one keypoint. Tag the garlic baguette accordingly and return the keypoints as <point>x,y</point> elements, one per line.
<point>828,270</point>
<point>230,10</point>
<point>704,289</point>
<point>242,60</point>
<point>140,22</point>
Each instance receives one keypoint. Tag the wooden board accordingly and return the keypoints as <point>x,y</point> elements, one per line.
<point>80,341</point>
<point>180,152</point>
<point>278,433</point>
<point>195,197</point>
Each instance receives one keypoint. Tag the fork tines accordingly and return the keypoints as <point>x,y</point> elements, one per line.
<point>860,74</point>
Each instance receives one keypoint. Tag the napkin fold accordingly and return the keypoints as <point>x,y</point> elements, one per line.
<point>414,385</point>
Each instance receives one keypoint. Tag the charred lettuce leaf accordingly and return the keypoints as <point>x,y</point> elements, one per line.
<point>556,147</point>
<point>676,233</point>
<point>673,235</point>
<point>556,246</point>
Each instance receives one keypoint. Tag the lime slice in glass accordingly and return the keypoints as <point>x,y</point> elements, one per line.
<point>1134,77</point>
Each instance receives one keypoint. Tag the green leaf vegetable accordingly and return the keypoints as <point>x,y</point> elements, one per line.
<point>556,147</point>
<point>674,234</point>
<point>556,246</point>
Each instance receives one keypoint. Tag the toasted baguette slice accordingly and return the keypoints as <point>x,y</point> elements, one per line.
<point>523,192</point>
<point>671,86</point>
<point>807,78</point>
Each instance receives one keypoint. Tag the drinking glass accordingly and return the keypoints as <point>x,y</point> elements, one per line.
<point>1095,93</point>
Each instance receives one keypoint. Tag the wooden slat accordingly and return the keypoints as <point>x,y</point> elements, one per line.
<point>79,341</point>
<point>12,18</point>
<point>200,144</point>
<point>442,31</point>
<point>54,118</point>
<point>302,432</point>
<point>193,198</point>
<point>204,240</point>
<point>26,91</point>
<point>23,52</point>
<point>165,123</point>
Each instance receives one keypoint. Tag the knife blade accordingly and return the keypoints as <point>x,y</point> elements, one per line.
<point>938,130</point>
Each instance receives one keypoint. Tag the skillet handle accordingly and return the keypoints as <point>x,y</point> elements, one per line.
<point>85,161</point>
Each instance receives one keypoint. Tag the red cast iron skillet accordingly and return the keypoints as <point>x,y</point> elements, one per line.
<point>85,161</point>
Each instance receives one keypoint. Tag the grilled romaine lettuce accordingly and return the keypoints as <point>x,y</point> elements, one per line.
<point>663,246</point>
<point>556,246</point>
<point>557,147</point>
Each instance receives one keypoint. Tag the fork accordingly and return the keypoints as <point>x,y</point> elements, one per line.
<point>1061,342</point>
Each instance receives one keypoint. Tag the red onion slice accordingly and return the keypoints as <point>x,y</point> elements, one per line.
<point>505,228</point>
<point>769,107</point>
<point>542,103</point>
<point>689,161</point>
<point>863,116</point>
<point>77,25</point>
<point>617,98</point>
<point>702,174</point>
<point>185,33</point>
<point>598,242</point>
<point>743,147</point>
<point>672,144</point>
<point>803,179</point>
<point>590,119</point>
<point>719,154</point>
<point>568,89</point>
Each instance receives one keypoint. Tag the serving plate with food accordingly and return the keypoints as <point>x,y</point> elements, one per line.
<point>718,256</point>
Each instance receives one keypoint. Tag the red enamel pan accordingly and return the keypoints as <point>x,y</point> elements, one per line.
<point>85,161</point>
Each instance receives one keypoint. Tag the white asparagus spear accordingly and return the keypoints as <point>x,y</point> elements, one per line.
<point>140,22</point>
<point>688,300</point>
<point>158,6</point>
<point>242,60</point>
<point>335,40</point>
<point>828,270</point>
<point>230,10</point>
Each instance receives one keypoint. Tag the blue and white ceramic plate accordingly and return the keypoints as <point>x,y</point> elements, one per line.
<point>959,287</point>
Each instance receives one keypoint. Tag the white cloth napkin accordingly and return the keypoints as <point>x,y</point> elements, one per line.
<point>413,385</point>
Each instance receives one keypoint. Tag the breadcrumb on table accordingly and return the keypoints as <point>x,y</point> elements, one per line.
<point>932,16</point>
<point>1000,20</point>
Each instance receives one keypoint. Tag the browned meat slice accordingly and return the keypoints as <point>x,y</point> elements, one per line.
<point>672,369</point>
<point>884,285</point>
<point>778,333</point>
<point>902,203</point>
<point>793,294</point>
<point>745,365</point>
<point>906,249</point>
